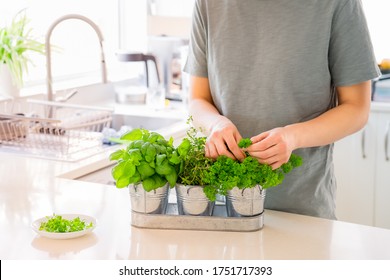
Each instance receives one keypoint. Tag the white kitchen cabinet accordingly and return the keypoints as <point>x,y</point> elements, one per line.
<point>362,169</point>
<point>354,163</point>
<point>382,186</point>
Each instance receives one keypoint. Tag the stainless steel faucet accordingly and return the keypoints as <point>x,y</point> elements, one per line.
<point>48,50</point>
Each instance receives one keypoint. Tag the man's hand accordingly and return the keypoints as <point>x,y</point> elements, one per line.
<point>273,147</point>
<point>223,140</point>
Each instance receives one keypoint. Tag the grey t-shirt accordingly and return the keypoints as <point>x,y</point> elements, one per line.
<point>271,63</point>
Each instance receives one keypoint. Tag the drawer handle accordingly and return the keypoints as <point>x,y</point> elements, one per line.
<point>364,155</point>
<point>387,141</point>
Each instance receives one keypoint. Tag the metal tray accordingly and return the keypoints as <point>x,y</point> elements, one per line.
<point>218,222</point>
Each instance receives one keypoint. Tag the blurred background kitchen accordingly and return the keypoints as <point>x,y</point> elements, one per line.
<point>131,26</point>
<point>128,26</point>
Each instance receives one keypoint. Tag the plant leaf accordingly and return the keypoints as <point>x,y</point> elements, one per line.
<point>153,182</point>
<point>135,134</point>
<point>171,178</point>
<point>145,170</point>
<point>165,168</point>
<point>117,155</point>
<point>122,182</point>
<point>184,147</point>
<point>175,158</point>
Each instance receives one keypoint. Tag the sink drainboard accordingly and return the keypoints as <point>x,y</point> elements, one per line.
<point>70,134</point>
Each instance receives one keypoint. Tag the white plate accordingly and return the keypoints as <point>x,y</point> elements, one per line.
<point>64,235</point>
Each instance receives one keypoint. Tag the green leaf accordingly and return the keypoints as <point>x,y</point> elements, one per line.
<point>149,184</point>
<point>137,144</point>
<point>145,170</point>
<point>118,170</point>
<point>154,136</point>
<point>184,147</point>
<point>150,153</point>
<point>134,156</point>
<point>135,134</point>
<point>122,182</point>
<point>117,155</point>
<point>129,169</point>
<point>171,178</point>
<point>153,182</point>
<point>244,143</point>
<point>160,149</point>
<point>175,158</point>
<point>123,170</point>
<point>210,192</point>
<point>286,167</point>
<point>296,160</point>
<point>160,181</point>
<point>144,148</point>
<point>163,142</point>
<point>165,168</point>
<point>136,178</point>
<point>160,159</point>
<point>145,135</point>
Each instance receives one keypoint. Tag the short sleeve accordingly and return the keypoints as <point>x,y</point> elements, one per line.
<point>196,63</point>
<point>351,55</point>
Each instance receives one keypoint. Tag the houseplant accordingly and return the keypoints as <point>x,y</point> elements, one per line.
<point>16,43</point>
<point>244,183</point>
<point>191,187</point>
<point>148,166</point>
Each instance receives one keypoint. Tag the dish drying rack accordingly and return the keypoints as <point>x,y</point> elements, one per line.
<point>53,130</point>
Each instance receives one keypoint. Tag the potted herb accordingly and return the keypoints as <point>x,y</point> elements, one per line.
<point>191,187</point>
<point>16,43</point>
<point>244,183</point>
<point>148,166</point>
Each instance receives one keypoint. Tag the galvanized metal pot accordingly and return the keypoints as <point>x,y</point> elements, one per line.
<point>153,202</point>
<point>245,202</point>
<point>191,200</point>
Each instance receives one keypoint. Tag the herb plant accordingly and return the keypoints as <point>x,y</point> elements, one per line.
<point>194,163</point>
<point>244,143</point>
<point>225,173</point>
<point>148,159</point>
<point>58,224</point>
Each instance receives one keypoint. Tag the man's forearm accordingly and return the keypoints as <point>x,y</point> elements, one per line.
<point>347,118</point>
<point>204,113</point>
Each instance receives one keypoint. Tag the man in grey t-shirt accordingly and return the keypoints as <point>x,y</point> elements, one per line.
<point>292,75</point>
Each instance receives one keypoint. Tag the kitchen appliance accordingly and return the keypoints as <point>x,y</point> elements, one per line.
<point>170,54</point>
<point>131,94</point>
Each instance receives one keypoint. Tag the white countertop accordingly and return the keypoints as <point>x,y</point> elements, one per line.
<point>31,188</point>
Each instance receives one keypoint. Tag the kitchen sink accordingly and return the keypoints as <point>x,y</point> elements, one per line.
<point>146,122</point>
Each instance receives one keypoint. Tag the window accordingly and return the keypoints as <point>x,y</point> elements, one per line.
<point>76,49</point>
<point>124,24</point>
<point>377,14</point>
